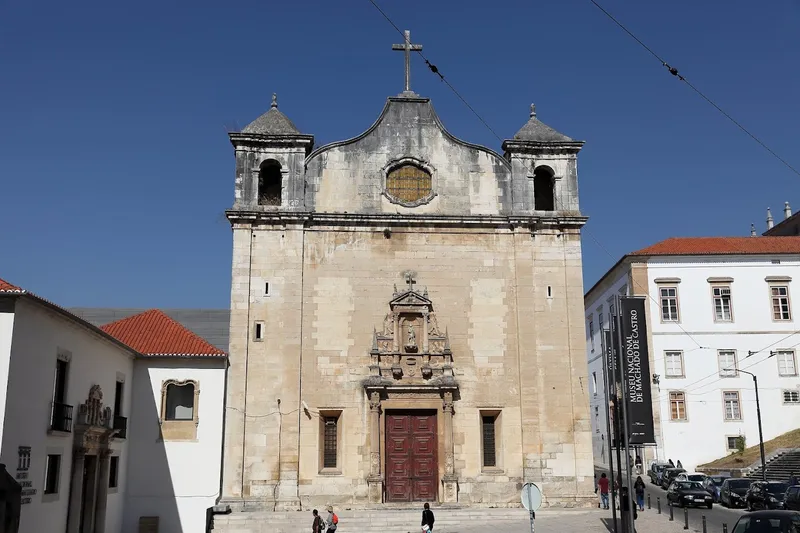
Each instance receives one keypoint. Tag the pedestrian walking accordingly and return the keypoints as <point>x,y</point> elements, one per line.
<point>602,484</point>
<point>332,521</point>
<point>638,464</point>
<point>638,488</point>
<point>626,513</point>
<point>427,518</point>
<point>319,525</point>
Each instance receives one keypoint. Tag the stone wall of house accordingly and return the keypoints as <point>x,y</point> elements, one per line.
<point>515,350</point>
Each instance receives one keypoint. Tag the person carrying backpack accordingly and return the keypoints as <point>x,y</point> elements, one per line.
<point>332,521</point>
<point>319,525</point>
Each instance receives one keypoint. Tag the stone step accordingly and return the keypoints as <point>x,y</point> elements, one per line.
<point>375,521</point>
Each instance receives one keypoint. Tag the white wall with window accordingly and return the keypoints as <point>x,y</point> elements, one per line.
<point>714,314</point>
<point>49,362</point>
<point>176,438</point>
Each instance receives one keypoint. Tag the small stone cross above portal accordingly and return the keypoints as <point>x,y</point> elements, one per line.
<point>410,281</point>
<point>407,47</point>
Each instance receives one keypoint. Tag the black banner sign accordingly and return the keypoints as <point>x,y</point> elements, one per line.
<point>636,371</point>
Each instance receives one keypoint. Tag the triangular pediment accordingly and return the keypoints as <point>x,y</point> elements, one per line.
<point>411,297</point>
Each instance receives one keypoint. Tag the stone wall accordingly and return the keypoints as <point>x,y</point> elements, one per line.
<point>515,350</point>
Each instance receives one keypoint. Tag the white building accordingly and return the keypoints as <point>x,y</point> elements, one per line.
<point>718,307</point>
<point>102,426</point>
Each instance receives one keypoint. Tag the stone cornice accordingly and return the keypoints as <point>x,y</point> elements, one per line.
<point>239,140</point>
<point>307,218</point>
<point>514,146</point>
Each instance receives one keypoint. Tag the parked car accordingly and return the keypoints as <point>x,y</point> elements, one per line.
<point>765,495</point>
<point>768,522</point>
<point>655,470</point>
<point>791,500</point>
<point>712,484</point>
<point>689,493</point>
<point>695,476</point>
<point>668,476</point>
<point>732,492</point>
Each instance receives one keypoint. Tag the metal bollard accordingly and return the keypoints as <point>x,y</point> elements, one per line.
<point>648,501</point>
<point>704,524</point>
<point>685,518</point>
<point>671,518</point>
<point>724,528</point>
<point>658,502</point>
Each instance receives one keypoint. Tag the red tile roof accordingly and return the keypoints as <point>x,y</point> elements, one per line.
<point>723,246</point>
<point>8,287</point>
<point>156,334</point>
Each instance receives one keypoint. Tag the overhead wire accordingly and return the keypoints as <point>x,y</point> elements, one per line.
<point>436,71</point>
<point>674,71</point>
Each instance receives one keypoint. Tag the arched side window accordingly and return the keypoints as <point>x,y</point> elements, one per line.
<point>179,409</point>
<point>544,194</point>
<point>180,401</point>
<point>409,183</point>
<point>270,183</point>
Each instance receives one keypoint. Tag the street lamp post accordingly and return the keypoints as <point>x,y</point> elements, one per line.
<point>760,433</point>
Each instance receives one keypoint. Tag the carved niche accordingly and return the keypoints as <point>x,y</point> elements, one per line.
<point>92,413</point>
<point>410,348</point>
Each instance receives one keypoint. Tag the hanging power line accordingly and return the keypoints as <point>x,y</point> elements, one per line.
<point>674,71</point>
<point>436,71</point>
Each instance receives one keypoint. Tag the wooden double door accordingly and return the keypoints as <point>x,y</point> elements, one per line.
<point>412,469</point>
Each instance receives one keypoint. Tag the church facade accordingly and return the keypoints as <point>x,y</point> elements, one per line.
<point>406,317</point>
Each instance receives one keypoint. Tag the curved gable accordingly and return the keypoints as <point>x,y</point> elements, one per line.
<point>351,175</point>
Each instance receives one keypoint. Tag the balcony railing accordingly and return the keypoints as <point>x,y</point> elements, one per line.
<point>121,425</point>
<point>61,417</point>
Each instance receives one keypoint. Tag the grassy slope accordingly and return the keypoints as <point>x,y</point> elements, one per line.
<point>751,455</point>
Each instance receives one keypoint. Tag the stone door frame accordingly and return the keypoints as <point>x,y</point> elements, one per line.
<point>414,398</point>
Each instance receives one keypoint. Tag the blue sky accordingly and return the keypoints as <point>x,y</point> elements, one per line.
<point>115,168</point>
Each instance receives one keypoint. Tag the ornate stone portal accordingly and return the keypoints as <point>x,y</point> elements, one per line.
<point>90,465</point>
<point>411,360</point>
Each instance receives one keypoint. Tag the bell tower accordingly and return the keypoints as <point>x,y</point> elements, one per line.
<point>544,167</point>
<point>270,152</point>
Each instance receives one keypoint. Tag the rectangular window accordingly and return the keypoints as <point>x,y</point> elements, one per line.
<point>731,443</point>
<point>780,302</point>
<point>52,474</point>
<point>330,441</point>
<point>727,364</point>
<point>669,304</point>
<point>118,398</point>
<point>258,331</point>
<point>674,364</point>
<point>266,288</point>
<point>733,410</point>
<point>787,365</point>
<point>594,383</point>
<point>723,311</point>
<point>600,324</point>
<point>60,385</point>
<point>489,441</point>
<point>791,396</point>
<point>591,333</point>
<point>113,472</point>
<point>677,405</point>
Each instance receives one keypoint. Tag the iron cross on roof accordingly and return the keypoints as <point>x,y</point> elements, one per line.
<point>407,47</point>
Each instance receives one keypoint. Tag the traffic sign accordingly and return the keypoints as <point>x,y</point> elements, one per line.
<point>531,497</point>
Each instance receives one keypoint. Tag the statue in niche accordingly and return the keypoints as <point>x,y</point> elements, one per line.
<point>411,344</point>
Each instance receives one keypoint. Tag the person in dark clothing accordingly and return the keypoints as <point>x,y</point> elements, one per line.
<point>793,480</point>
<point>638,487</point>
<point>427,517</point>
<point>626,513</point>
<point>319,524</point>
